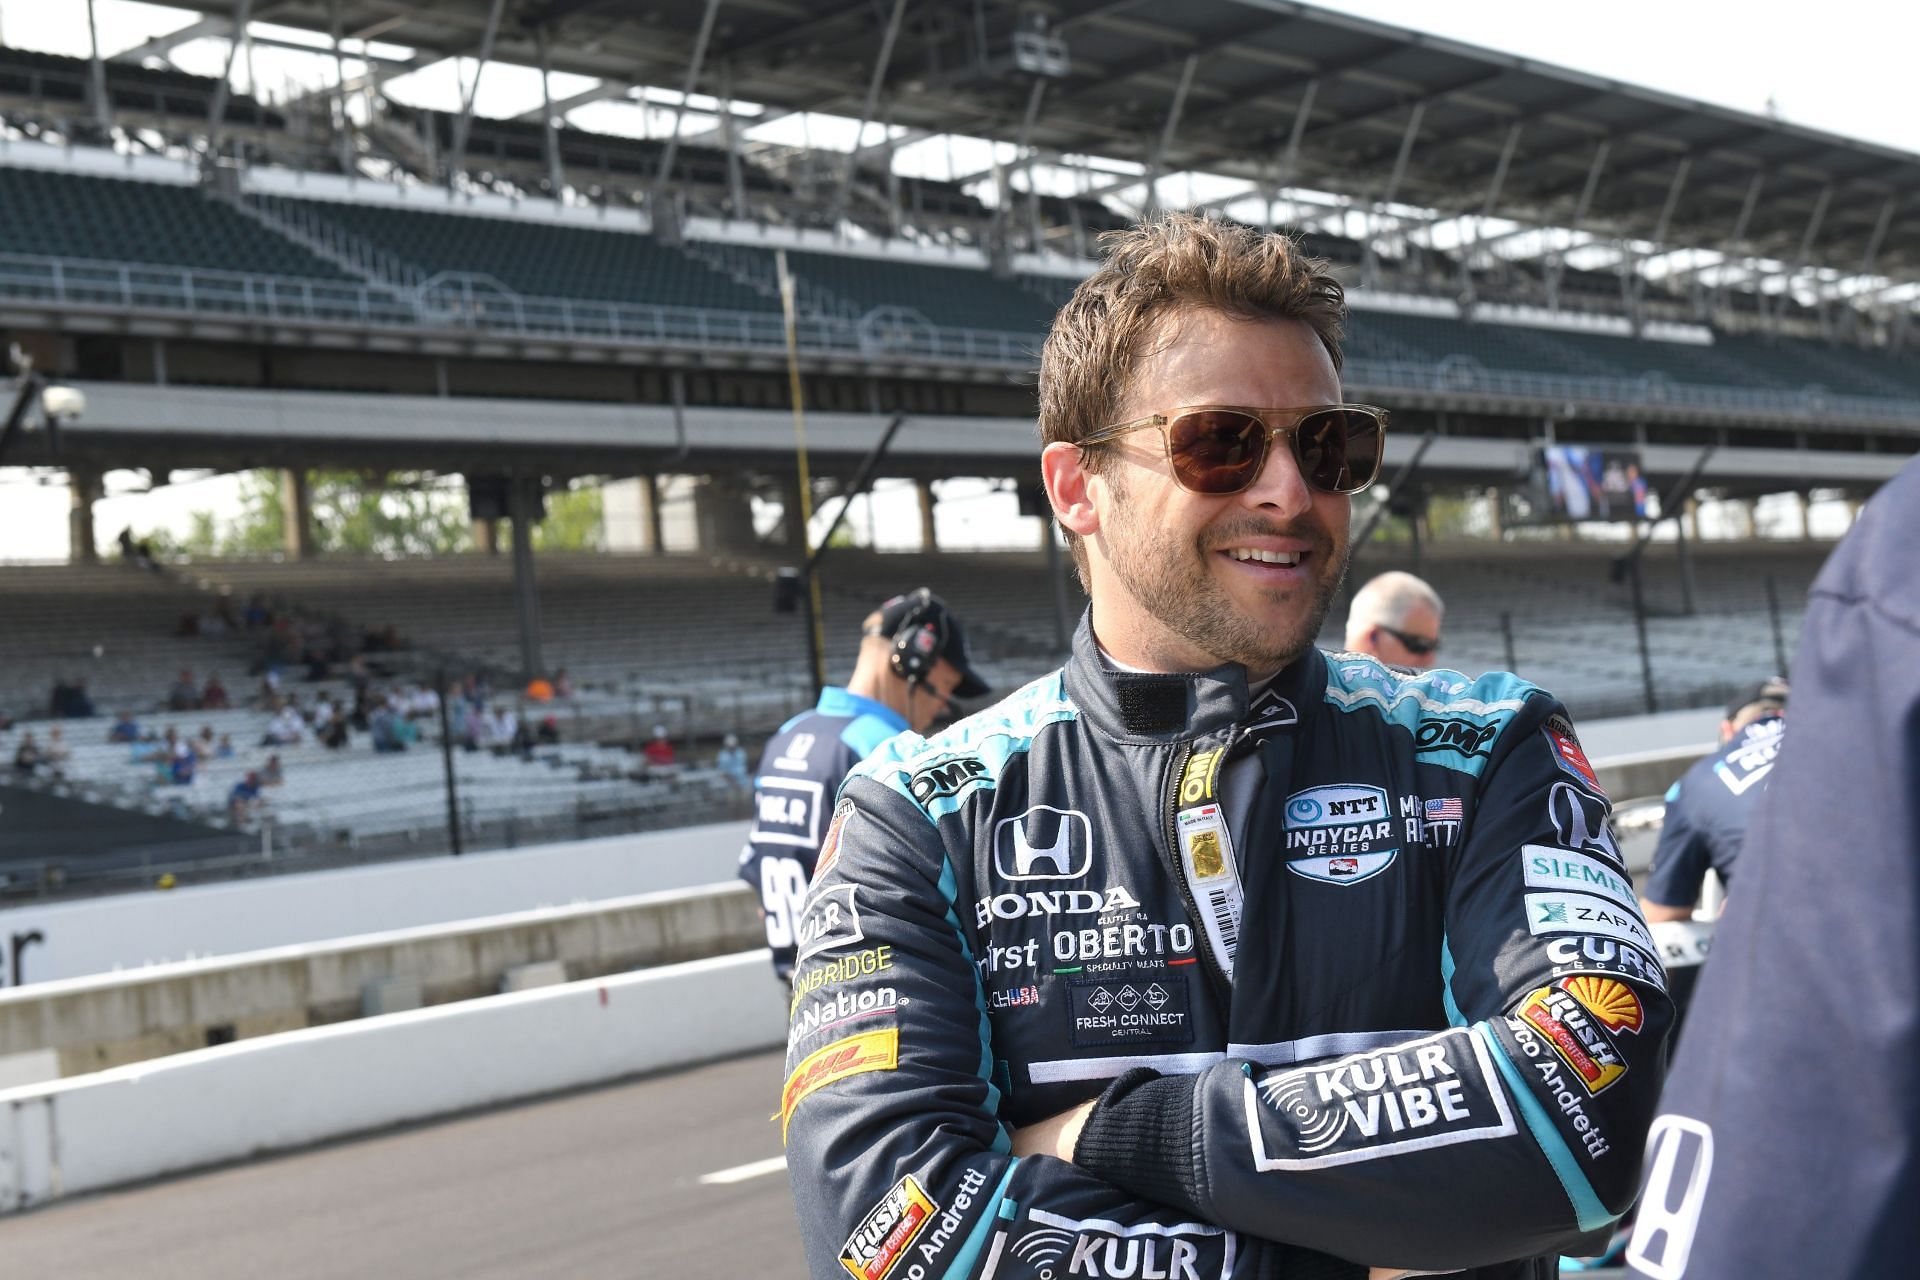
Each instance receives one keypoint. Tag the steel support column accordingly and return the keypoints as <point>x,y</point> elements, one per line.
<point>1023,157</point>
<point>550,130</point>
<point>694,66</point>
<point>526,592</point>
<point>879,77</point>
<point>1369,254</point>
<point>1747,207</point>
<point>465,124</point>
<point>97,75</point>
<point>736,181</point>
<point>1807,238</point>
<point>1290,158</point>
<point>217,113</point>
<point>1635,262</point>
<point>342,127</point>
<point>1487,202</point>
<point>1158,159</point>
<point>1558,265</point>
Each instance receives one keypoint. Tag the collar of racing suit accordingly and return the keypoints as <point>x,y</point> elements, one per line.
<point>1136,707</point>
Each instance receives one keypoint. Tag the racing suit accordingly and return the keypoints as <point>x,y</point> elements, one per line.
<point>1436,1043</point>
<point>801,768</point>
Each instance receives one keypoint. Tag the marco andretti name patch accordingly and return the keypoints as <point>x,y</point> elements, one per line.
<point>889,1227</point>
<point>1340,834</point>
<point>1154,1009</point>
<point>1431,1092</point>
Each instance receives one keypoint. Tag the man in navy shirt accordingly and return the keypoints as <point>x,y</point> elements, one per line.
<point>1788,1143</point>
<point>1709,808</point>
<point>912,663</point>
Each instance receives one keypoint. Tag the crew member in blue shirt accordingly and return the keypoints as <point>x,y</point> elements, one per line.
<point>1709,808</point>
<point>912,664</point>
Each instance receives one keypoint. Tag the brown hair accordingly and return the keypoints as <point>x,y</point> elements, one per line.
<point>1153,272</point>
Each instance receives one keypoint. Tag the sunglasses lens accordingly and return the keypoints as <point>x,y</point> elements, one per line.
<point>1216,450</point>
<point>1338,449</point>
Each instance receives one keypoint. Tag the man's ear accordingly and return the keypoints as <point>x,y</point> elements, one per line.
<point>1069,488</point>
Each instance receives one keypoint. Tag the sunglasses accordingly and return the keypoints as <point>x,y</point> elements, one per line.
<point>1220,449</point>
<point>1419,646</point>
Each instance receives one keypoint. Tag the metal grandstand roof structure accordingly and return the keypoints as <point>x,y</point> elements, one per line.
<point>1276,92</point>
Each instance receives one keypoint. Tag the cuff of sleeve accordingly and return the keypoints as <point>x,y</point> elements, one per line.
<point>1140,1138</point>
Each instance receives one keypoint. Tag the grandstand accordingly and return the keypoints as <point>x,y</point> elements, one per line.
<point>237,284</point>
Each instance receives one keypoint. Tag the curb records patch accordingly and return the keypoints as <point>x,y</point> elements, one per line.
<point>1151,1009</point>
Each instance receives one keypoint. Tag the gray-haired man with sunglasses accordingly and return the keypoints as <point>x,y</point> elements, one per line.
<point>1212,955</point>
<point>1396,618</point>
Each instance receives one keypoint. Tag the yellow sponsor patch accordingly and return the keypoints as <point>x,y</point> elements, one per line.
<point>1196,781</point>
<point>868,1051</point>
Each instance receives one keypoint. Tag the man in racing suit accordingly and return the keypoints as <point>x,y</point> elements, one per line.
<point>1210,955</point>
<point>912,662</point>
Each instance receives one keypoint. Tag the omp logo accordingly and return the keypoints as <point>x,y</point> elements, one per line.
<point>1196,782</point>
<point>947,778</point>
<point>1677,1177</point>
<point>1423,1093</point>
<point>1044,843</point>
<point>1057,1245</point>
<point>1462,737</point>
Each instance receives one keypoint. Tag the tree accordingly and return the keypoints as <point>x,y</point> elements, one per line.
<point>354,513</point>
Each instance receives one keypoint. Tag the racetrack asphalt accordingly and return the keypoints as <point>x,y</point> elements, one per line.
<point>598,1183</point>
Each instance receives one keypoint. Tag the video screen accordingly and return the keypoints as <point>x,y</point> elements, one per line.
<point>1583,483</point>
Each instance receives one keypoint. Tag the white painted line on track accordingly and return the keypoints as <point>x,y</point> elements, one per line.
<point>742,1172</point>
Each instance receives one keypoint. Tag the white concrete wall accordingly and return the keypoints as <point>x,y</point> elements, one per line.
<point>279,1092</point>
<point>101,934</point>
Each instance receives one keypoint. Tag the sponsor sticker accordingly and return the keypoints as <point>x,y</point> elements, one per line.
<point>1567,1028</point>
<point>830,844</point>
<point>948,778</point>
<point>861,964</point>
<point>1548,867</point>
<point>1549,913</point>
<point>1339,834</point>
<point>887,1231</point>
<point>1613,1004</point>
<point>1044,843</point>
<point>1013,997</point>
<point>1580,821</point>
<point>1152,1009</point>
<point>855,1055</point>
<point>830,922</point>
<point>1207,853</point>
<point>793,756</point>
<point>840,1008</point>
<point>1270,711</point>
<point>1053,902</point>
<point>1456,736</point>
<point>1565,746</point>
<point>1054,1245</point>
<point>1430,1092</point>
<point>1571,1104</point>
<point>1197,779</point>
<point>787,811</point>
<point>1607,956</point>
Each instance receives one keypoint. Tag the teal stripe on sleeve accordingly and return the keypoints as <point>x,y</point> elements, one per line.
<point>963,1261</point>
<point>1587,1209</point>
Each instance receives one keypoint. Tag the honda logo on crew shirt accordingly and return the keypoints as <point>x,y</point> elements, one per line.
<point>1043,843</point>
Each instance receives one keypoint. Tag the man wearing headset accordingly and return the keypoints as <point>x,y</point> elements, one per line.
<point>912,662</point>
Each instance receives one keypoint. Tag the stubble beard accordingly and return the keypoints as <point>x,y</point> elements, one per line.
<point>1175,585</point>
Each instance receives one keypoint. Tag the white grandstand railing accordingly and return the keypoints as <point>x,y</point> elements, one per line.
<point>470,301</point>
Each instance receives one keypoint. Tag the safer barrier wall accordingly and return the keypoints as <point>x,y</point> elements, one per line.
<point>279,1092</point>
<point>106,1020</point>
<point>133,929</point>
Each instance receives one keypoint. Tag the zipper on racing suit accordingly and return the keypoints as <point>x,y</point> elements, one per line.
<point>1171,806</point>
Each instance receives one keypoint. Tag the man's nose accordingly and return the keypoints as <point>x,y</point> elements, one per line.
<point>1279,489</point>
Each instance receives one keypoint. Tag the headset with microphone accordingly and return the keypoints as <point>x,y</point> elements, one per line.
<point>919,640</point>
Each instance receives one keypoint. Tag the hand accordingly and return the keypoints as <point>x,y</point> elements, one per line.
<point>1054,1136</point>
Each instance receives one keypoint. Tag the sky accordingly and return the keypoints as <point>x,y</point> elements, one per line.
<point>1845,67</point>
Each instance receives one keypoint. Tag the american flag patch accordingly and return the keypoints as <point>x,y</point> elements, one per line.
<point>1447,810</point>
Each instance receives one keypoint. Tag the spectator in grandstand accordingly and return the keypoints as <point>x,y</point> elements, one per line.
<point>1396,617</point>
<point>334,734</point>
<point>271,773</point>
<point>1709,808</point>
<point>27,757</point>
<point>731,760</point>
<point>125,728</point>
<point>562,684</point>
<point>539,689</point>
<point>185,694</point>
<point>223,750</point>
<point>912,661</point>
<point>384,726</point>
<point>287,729</point>
<point>70,701</point>
<point>1789,1143</point>
<point>185,762</point>
<point>549,732</point>
<point>1410,1053</point>
<point>157,750</point>
<point>659,749</point>
<point>213,696</point>
<point>245,796</point>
